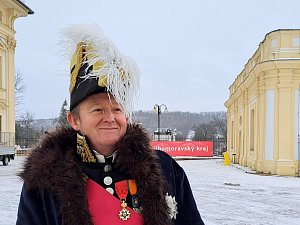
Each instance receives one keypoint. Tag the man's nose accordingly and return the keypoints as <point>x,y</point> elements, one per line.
<point>109,116</point>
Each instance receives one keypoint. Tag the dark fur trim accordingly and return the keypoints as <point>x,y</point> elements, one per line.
<point>52,166</point>
<point>54,161</point>
<point>139,160</point>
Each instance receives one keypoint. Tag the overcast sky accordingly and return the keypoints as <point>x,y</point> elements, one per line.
<point>189,51</point>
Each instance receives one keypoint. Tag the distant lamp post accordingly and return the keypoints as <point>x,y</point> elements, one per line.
<point>158,108</point>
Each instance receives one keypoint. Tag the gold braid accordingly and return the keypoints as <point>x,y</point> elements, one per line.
<point>76,63</point>
<point>83,150</point>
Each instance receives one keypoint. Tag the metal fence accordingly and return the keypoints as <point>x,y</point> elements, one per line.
<point>219,145</point>
<point>27,142</point>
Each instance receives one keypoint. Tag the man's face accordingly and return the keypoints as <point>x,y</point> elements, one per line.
<point>102,121</point>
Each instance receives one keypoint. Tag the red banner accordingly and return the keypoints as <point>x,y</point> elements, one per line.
<point>184,148</point>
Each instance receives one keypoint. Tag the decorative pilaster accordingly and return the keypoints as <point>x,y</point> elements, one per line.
<point>284,163</point>
<point>11,43</point>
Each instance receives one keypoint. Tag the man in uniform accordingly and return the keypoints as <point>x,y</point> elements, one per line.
<point>102,170</point>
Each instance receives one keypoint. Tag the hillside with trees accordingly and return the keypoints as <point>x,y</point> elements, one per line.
<point>183,122</point>
<point>206,125</point>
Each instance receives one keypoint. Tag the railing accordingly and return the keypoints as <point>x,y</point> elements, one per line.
<point>23,152</point>
<point>27,142</point>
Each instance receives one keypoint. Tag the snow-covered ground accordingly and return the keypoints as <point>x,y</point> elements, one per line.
<point>224,194</point>
<point>10,190</point>
<point>228,195</point>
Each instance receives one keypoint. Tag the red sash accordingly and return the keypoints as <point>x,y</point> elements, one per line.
<point>104,207</point>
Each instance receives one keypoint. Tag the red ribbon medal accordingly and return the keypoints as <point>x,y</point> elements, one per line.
<point>122,192</point>
<point>104,207</point>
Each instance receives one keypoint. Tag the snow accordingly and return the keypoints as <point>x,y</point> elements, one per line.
<point>224,194</point>
<point>10,190</point>
<point>249,199</point>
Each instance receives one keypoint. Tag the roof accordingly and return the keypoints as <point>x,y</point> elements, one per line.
<point>25,6</point>
<point>279,30</point>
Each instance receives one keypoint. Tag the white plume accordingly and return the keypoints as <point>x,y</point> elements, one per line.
<point>121,72</point>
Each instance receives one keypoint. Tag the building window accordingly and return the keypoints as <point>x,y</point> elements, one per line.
<point>274,43</point>
<point>296,41</point>
<point>0,124</point>
<point>240,143</point>
<point>252,130</point>
<point>1,74</point>
<point>232,134</point>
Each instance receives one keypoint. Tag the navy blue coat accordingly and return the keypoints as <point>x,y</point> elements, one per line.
<point>54,192</point>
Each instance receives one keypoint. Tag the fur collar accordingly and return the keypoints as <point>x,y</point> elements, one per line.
<point>54,161</point>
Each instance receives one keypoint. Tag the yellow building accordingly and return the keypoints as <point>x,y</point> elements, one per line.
<point>263,107</point>
<point>9,11</point>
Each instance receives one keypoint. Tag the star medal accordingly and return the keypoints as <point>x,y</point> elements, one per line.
<point>122,191</point>
<point>124,214</point>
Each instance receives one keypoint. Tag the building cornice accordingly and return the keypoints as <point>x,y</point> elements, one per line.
<point>280,55</point>
<point>25,6</point>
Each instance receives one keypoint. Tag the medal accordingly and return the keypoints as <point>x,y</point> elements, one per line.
<point>132,187</point>
<point>124,214</point>
<point>133,192</point>
<point>122,191</point>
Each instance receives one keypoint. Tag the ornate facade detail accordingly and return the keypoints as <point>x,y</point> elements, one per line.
<point>11,43</point>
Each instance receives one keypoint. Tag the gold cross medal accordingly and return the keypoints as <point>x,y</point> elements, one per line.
<point>124,214</point>
<point>122,191</point>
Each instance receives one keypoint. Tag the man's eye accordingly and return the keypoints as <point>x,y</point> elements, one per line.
<point>118,110</point>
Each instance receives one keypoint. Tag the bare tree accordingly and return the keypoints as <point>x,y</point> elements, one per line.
<point>220,122</point>
<point>19,88</point>
<point>24,129</point>
<point>205,131</point>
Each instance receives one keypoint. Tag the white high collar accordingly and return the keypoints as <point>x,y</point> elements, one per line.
<point>101,158</point>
